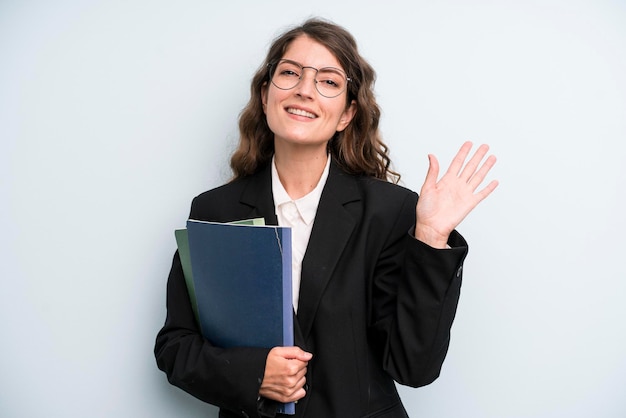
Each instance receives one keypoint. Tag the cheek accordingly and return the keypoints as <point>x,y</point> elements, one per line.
<point>339,113</point>
<point>273,103</point>
<point>274,94</point>
<point>269,105</point>
<point>271,110</point>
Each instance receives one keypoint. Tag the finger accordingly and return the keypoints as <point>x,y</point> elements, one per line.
<point>297,395</point>
<point>293,353</point>
<point>296,382</point>
<point>303,356</point>
<point>295,368</point>
<point>480,175</point>
<point>481,195</point>
<point>300,374</point>
<point>470,167</point>
<point>281,395</point>
<point>301,384</point>
<point>291,381</point>
<point>292,390</point>
<point>459,159</point>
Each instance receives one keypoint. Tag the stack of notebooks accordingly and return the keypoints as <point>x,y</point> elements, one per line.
<point>239,280</point>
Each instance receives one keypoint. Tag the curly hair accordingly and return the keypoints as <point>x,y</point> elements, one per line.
<point>358,149</point>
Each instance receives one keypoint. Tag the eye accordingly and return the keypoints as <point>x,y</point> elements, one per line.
<point>289,73</point>
<point>288,69</point>
<point>331,83</point>
<point>331,78</point>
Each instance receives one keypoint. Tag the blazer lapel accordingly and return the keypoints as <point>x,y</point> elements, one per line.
<point>332,228</point>
<point>257,195</point>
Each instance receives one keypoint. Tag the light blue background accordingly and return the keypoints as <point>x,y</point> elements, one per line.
<point>114,114</point>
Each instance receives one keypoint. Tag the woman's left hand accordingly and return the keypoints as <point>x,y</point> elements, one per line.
<point>443,204</point>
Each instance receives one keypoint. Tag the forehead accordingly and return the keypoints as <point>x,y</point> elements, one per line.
<point>309,52</point>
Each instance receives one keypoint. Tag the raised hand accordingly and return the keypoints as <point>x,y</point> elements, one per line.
<point>285,371</point>
<point>443,204</point>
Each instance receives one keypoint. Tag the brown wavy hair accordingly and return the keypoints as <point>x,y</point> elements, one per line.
<point>358,149</point>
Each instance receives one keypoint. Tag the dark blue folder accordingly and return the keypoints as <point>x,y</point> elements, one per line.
<point>243,288</point>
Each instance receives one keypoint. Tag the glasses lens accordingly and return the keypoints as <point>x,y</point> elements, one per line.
<point>286,75</point>
<point>329,81</point>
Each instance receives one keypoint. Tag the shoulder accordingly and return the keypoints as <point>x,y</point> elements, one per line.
<point>371,198</point>
<point>384,194</point>
<point>221,204</point>
<point>242,187</point>
<point>366,186</point>
<point>376,185</point>
<point>225,191</point>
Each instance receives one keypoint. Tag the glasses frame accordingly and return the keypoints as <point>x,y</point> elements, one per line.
<point>272,68</point>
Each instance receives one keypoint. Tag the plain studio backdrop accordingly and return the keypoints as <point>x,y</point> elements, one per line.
<point>115,114</point>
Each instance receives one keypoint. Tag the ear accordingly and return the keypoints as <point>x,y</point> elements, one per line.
<point>264,95</point>
<point>346,116</point>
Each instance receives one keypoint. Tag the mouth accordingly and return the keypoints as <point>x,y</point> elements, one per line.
<point>300,112</point>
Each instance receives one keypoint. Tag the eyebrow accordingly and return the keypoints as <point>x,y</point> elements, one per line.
<point>310,66</point>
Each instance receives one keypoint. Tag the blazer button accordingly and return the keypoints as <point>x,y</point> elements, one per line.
<point>459,271</point>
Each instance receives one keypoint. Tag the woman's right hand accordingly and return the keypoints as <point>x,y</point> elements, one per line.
<point>285,371</point>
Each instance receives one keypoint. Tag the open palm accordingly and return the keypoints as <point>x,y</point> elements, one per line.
<point>444,203</point>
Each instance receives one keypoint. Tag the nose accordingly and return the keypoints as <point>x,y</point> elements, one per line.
<point>306,85</point>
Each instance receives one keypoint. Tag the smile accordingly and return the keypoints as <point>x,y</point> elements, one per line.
<point>300,112</point>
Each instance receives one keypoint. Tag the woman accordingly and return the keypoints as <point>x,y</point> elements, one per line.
<point>377,273</point>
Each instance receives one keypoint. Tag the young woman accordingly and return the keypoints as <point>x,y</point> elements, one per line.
<point>377,272</point>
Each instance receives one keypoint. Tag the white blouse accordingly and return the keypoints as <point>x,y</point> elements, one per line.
<point>299,215</point>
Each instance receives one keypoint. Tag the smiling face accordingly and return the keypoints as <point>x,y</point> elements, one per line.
<point>302,117</point>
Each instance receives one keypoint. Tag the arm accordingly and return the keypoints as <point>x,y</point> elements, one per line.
<point>417,281</point>
<point>415,292</point>
<point>227,378</point>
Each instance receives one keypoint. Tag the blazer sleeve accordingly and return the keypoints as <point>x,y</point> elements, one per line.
<point>228,378</point>
<point>415,293</point>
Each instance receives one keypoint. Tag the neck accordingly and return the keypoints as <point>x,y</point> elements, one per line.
<point>299,174</point>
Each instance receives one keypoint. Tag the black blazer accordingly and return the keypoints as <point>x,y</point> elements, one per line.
<point>376,305</point>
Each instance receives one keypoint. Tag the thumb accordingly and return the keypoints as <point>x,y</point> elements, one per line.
<point>296,353</point>
<point>433,171</point>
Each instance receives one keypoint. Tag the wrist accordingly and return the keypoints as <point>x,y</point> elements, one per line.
<point>431,237</point>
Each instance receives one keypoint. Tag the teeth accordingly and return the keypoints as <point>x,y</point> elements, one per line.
<point>301,112</point>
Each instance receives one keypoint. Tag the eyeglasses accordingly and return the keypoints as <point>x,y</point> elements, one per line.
<point>329,81</point>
